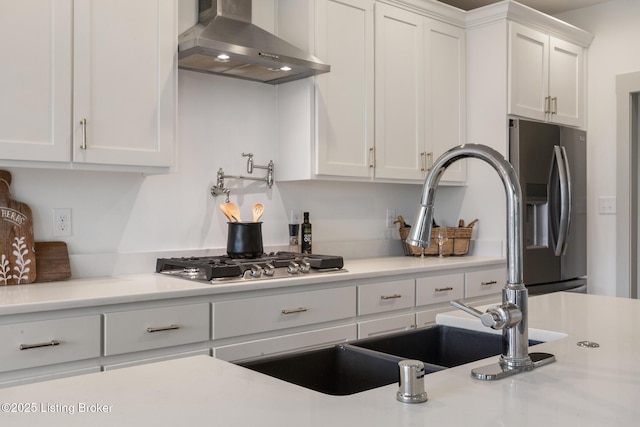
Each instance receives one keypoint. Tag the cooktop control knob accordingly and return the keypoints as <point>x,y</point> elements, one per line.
<point>305,266</point>
<point>293,268</point>
<point>256,271</point>
<point>269,270</point>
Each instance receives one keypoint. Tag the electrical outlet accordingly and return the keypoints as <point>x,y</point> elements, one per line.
<point>62,222</point>
<point>607,205</point>
<point>391,216</point>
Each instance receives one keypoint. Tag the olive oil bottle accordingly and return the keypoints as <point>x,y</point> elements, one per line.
<point>306,235</point>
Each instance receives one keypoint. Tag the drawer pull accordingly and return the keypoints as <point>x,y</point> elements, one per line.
<point>163,328</point>
<point>294,310</point>
<point>489,283</point>
<point>448,288</point>
<point>394,296</point>
<point>51,343</point>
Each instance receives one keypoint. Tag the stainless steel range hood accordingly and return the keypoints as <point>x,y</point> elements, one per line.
<point>225,42</point>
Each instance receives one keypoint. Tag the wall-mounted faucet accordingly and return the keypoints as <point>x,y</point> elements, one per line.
<point>512,315</point>
<point>220,189</point>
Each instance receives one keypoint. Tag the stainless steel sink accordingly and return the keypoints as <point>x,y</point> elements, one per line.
<point>373,362</point>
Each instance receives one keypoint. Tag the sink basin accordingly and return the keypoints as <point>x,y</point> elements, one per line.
<point>373,362</point>
<point>444,346</point>
<point>338,370</point>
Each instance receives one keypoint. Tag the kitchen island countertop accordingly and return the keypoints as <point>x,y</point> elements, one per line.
<point>74,293</point>
<point>584,387</point>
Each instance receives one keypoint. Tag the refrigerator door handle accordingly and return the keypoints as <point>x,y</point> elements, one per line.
<point>560,232</point>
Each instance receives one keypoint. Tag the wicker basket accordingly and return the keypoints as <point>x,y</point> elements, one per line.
<point>457,242</point>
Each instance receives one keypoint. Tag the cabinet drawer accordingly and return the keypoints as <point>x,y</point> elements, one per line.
<point>286,343</point>
<point>484,282</point>
<point>30,344</point>
<point>437,289</point>
<point>137,330</point>
<point>387,325</point>
<point>387,296</point>
<point>261,314</point>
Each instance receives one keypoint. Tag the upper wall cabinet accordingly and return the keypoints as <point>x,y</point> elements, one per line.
<point>94,87</point>
<point>344,96</point>
<point>393,101</point>
<point>546,77</point>
<point>35,80</point>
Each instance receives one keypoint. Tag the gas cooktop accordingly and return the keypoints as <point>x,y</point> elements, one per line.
<point>269,266</point>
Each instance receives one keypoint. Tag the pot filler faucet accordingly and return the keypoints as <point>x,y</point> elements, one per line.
<point>511,315</point>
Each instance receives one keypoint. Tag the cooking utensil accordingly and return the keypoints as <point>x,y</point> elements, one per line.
<point>234,211</point>
<point>258,210</point>
<point>226,212</point>
<point>231,211</point>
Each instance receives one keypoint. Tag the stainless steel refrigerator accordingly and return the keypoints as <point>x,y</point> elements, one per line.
<point>550,161</point>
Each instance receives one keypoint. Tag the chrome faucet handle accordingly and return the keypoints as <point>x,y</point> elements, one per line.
<point>487,318</point>
<point>496,317</point>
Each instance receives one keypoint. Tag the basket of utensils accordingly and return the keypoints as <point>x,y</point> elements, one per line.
<point>445,241</point>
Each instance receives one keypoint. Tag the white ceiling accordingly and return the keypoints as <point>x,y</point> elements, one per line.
<point>550,7</point>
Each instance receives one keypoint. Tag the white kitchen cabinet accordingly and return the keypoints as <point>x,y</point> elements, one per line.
<point>124,82</point>
<point>484,282</point>
<point>420,94</point>
<point>399,69</point>
<point>439,289</point>
<point>273,312</point>
<point>386,296</point>
<point>286,343</point>
<point>48,342</point>
<point>345,101</point>
<point>546,77</point>
<point>392,103</point>
<point>159,327</point>
<point>95,85</point>
<point>35,80</point>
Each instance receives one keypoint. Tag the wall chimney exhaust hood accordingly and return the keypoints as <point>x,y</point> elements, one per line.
<point>225,42</point>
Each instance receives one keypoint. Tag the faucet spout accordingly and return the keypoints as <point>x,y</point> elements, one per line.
<point>512,315</point>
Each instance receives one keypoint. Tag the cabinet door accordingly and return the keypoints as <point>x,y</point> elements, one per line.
<point>35,80</point>
<point>528,72</point>
<point>344,97</point>
<point>124,82</point>
<point>445,67</point>
<point>566,82</point>
<point>399,84</point>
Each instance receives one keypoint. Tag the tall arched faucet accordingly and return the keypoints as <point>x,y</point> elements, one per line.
<point>512,315</point>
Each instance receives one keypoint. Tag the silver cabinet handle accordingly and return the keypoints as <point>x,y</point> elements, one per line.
<point>547,105</point>
<point>83,123</point>
<point>394,296</point>
<point>163,328</point>
<point>554,110</point>
<point>51,343</point>
<point>489,283</point>
<point>448,288</point>
<point>372,157</point>
<point>294,310</point>
<point>423,158</point>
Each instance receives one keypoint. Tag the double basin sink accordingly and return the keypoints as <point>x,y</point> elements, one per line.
<point>369,363</point>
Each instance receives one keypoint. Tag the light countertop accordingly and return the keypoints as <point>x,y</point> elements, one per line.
<point>35,297</point>
<point>584,387</point>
